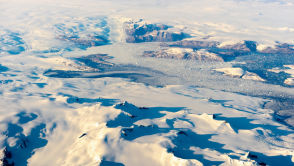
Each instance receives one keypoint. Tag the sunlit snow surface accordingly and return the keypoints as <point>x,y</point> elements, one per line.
<point>78,89</point>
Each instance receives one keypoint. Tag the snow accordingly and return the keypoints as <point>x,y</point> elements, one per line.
<point>239,73</point>
<point>179,50</point>
<point>77,119</point>
<point>181,113</point>
<point>229,42</point>
<point>234,72</point>
<point>252,76</point>
<point>289,81</point>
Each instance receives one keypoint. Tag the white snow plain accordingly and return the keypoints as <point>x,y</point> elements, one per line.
<point>184,114</point>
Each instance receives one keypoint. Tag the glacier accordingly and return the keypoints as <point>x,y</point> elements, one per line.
<point>158,82</point>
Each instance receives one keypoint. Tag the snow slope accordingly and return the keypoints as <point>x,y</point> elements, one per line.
<point>73,92</point>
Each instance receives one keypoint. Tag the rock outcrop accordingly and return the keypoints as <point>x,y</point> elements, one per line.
<point>137,32</point>
<point>239,73</point>
<point>88,41</point>
<point>289,81</point>
<point>252,76</point>
<point>281,48</point>
<point>184,53</point>
<point>226,51</point>
<point>244,46</point>
<point>230,50</point>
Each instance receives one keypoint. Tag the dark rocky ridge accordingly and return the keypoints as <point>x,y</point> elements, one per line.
<point>213,50</point>
<point>231,51</point>
<point>97,62</point>
<point>241,47</point>
<point>281,48</point>
<point>246,46</point>
<point>226,53</point>
<point>7,155</point>
<point>184,54</point>
<point>141,31</point>
<point>138,32</point>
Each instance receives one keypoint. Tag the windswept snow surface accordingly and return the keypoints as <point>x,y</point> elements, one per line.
<point>74,92</point>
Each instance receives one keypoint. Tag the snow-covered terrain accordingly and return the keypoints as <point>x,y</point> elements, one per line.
<point>157,82</point>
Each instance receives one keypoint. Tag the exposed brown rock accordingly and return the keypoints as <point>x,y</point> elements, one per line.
<point>142,32</point>
<point>184,53</point>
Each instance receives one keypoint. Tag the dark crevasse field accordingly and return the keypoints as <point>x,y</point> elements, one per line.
<point>132,83</point>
